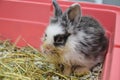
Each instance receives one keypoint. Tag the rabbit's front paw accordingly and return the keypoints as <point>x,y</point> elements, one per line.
<point>67,70</point>
<point>81,71</point>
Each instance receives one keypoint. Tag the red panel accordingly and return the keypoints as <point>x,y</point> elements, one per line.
<point>30,32</point>
<point>117,31</point>
<point>115,67</point>
<point>38,12</point>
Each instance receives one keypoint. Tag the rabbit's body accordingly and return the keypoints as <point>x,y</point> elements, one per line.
<point>80,41</point>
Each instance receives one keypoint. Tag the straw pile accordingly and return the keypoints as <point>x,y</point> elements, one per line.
<point>27,63</point>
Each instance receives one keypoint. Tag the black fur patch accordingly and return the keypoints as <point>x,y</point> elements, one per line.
<point>60,40</point>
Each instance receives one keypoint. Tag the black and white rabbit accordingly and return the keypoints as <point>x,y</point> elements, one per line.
<point>74,40</point>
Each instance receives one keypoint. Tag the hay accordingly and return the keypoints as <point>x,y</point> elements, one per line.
<point>27,63</point>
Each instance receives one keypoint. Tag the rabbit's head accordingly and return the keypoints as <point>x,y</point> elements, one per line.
<point>61,27</point>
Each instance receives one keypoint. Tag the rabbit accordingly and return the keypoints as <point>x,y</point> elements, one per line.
<point>78,42</point>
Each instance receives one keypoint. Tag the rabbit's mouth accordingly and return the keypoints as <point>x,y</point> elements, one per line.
<point>53,51</point>
<point>50,49</point>
<point>52,54</point>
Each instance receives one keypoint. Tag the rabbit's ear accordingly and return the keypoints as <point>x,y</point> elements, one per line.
<point>73,13</point>
<point>57,9</point>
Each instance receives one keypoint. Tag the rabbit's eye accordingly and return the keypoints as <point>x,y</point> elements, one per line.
<point>60,40</point>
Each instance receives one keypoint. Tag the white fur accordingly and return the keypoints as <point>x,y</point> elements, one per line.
<point>71,56</point>
<point>51,31</point>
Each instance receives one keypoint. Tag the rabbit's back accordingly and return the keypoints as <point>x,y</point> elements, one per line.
<point>91,37</point>
<point>90,26</point>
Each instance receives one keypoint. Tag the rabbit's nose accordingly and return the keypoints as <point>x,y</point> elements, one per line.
<point>47,46</point>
